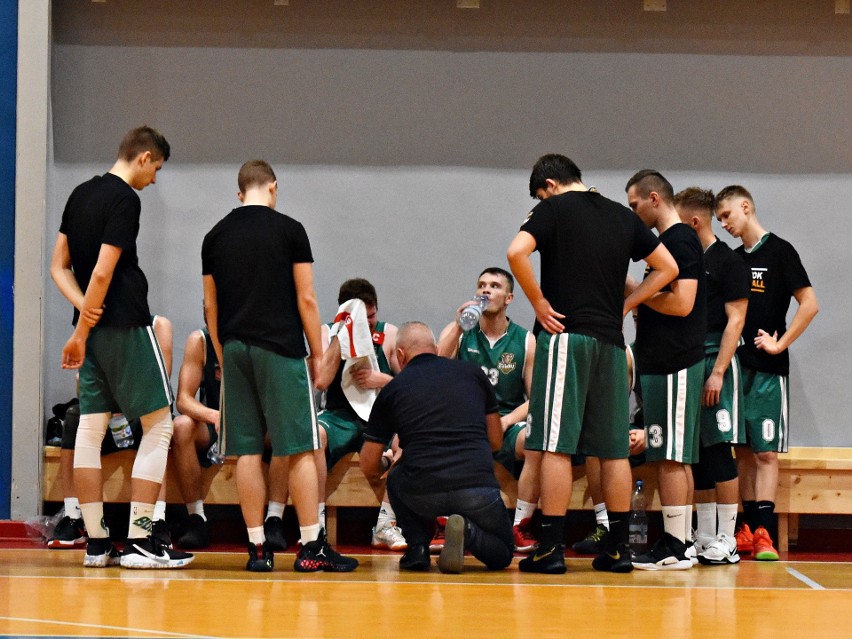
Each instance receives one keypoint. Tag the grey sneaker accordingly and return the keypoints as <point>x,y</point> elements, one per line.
<point>100,553</point>
<point>451,559</point>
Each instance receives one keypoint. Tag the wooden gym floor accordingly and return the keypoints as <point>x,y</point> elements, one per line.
<point>48,594</point>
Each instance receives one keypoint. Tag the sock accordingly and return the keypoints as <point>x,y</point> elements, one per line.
<point>256,535</point>
<point>321,514</point>
<point>159,511</point>
<point>601,516</point>
<point>275,509</point>
<point>196,508</point>
<point>93,517</point>
<point>307,534</point>
<point>706,520</point>
<point>387,517</point>
<point>750,513</point>
<point>618,531</point>
<point>72,508</point>
<point>727,518</point>
<point>552,530</point>
<point>141,518</point>
<point>673,521</point>
<point>523,510</point>
<point>764,514</point>
<point>687,520</point>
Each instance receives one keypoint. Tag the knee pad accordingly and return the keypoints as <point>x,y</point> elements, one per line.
<point>153,450</point>
<point>90,436</point>
<point>69,427</point>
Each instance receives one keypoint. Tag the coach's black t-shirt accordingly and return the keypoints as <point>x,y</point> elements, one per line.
<point>438,408</point>
<point>776,273</point>
<point>668,343</point>
<point>250,254</point>
<point>105,210</point>
<point>728,279</point>
<point>586,242</point>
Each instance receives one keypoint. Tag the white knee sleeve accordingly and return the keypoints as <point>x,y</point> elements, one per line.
<point>90,436</point>
<point>153,451</point>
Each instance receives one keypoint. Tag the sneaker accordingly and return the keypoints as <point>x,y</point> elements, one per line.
<point>69,533</point>
<point>722,550</point>
<point>451,559</point>
<point>669,553</point>
<point>415,558</point>
<point>318,555</point>
<point>261,558</point>
<point>273,530</point>
<point>197,534</point>
<point>100,553</point>
<point>619,561</point>
<point>160,531</point>
<point>524,539</point>
<point>550,561</point>
<point>593,544</point>
<point>691,553</point>
<point>763,548</point>
<point>149,553</point>
<point>388,536</point>
<point>437,543</point>
<point>745,540</point>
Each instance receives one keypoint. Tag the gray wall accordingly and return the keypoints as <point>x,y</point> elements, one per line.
<point>405,151</point>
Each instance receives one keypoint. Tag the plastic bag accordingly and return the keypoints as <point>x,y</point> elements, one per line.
<point>40,528</point>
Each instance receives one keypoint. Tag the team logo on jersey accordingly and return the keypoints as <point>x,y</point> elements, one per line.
<point>507,363</point>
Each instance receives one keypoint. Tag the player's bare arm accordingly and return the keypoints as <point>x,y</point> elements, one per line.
<point>518,256</point>
<point>805,313</point>
<point>189,381</point>
<point>306,300</point>
<point>736,313</point>
<point>665,269</point>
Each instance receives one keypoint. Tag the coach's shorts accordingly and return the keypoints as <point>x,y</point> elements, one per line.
<point>724,423</point>
<point>767,407</point>
<point>124,372</point>
<point>265,392</point>
<point>579,397</point>
<point>671,405</point>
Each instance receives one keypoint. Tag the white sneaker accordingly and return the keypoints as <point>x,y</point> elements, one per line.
<point>722,550</point>
<point>389,536</point>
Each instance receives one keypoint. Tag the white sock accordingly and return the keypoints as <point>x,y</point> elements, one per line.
<point>307,534</point>
<point>687,521</point>
<point>673,517</point>
<point>256,535</point>
<point>275,509</point>
<point>196,508</point>
<point>160,511</point>
<point>727,518</point>
<point>601,515</point>
<point>93,517</point>
<point>523,510</point>
<point>706,520</point>
<point>72,508</point>
<point>387,517</point>
<point>141,516</point>
<point>321,514</point>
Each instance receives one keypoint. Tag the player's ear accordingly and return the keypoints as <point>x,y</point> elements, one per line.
<point>241,196</point>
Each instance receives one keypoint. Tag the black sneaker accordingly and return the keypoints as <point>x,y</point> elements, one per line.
<point>273,530</point>
<point>669,553</point>
<point>550,561</point>
<point>318,555</point>
<point>160,532</point>
<point>69,533</point>
<point>100,553</point>
<point>593,544</point>
<point>619,561</point>
<point>197,533</point>
<point>451,559</point>
<point>415,558</point>
<point>261,558</point>
<point>149,553</point>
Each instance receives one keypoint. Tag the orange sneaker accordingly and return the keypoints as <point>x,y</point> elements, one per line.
<point>763,548</point>
<point>437,543</point>
<point>745,540</point>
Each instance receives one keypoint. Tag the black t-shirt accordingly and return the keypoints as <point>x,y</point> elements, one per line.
<point>776,273</point>
<point>106,210</point>
<point>438,408</point>
<point>728,279</point>
<point>250,254</point>
<point>586,243</point>
<point>668,343</point>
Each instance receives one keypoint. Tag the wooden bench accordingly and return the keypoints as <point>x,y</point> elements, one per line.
<point>812,481</point>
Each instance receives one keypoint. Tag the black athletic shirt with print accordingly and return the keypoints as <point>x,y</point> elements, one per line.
<point>728,279</point>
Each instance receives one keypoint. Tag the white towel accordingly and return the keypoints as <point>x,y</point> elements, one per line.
<point>356,349</point>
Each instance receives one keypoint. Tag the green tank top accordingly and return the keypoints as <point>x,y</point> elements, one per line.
<point>503,364</point>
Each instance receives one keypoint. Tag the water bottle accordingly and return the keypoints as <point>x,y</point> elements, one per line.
<point>638,523</point>
<point>214,455</point>
<point>469,317</point>
<point>121,432</point>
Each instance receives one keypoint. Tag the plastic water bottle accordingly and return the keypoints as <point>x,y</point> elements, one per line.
<point>469,317</point>
<point>638,523</point>
<point>214,455</point>
<point>121,432</point>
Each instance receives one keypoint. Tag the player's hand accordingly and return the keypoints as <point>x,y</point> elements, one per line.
<point>74,352</point>
<point>712,389</point>
<point>637,441</point>
<point>547,317</point>
<point>91,316</point>
<point>766,342</point>
<point>367,378</point>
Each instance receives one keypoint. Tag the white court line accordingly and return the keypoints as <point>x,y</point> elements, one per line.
<point>124,629</point>
<point>806,580</point>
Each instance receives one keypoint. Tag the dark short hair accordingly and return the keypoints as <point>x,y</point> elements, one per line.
<point>142,139</point>
<point>255,173</point>
<point>553,166</point>
<point>496,270</point>
<point>696,199</point>
<point>358,288</point>
<point>648,180</point>
<point>734,190</point>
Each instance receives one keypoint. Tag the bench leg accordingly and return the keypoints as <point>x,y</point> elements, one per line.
<point>331,524</point>
<point>783,532</point>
